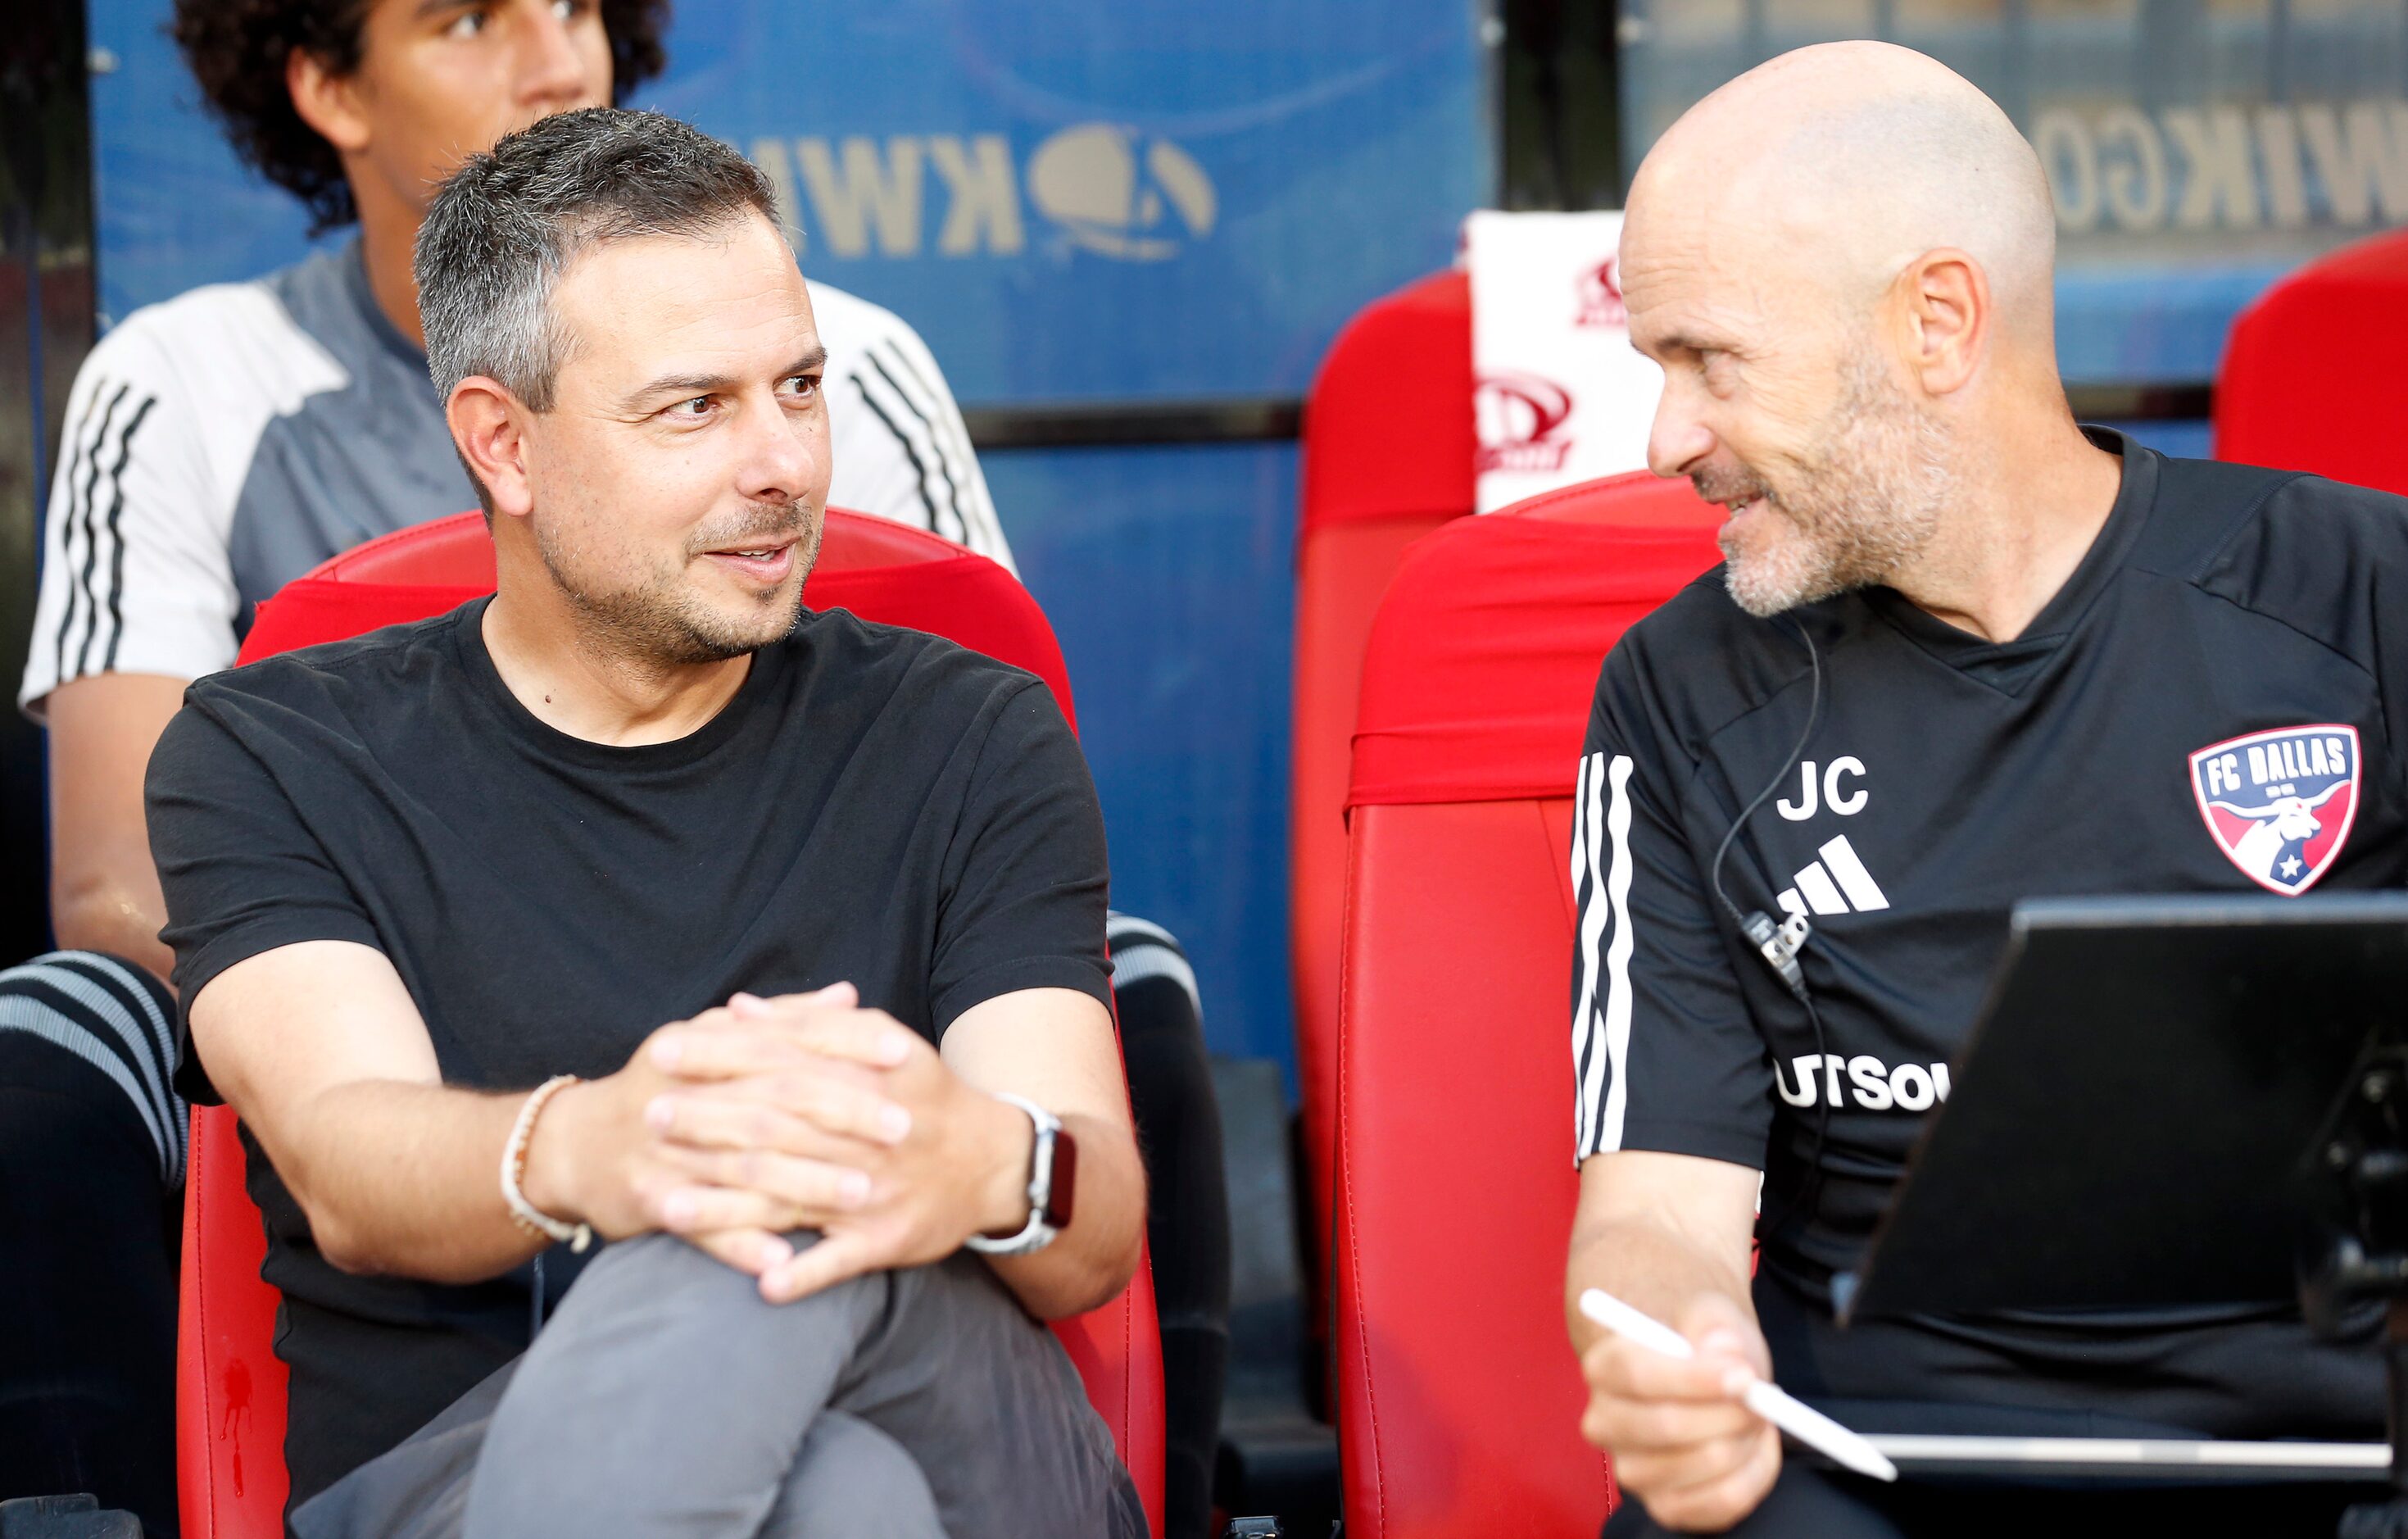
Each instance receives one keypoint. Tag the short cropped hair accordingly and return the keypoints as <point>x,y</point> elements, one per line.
<point>237,51</point>
<point>503,229</point>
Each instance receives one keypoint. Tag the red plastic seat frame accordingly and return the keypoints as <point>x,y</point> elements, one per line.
<point>1387,457</point>
<point>1458,1398</point>
<point>2296,391</point>
<point>231,1387</point>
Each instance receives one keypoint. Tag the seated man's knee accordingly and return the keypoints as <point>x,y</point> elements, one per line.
<point>855,1480</point>
<point>659,1292</point>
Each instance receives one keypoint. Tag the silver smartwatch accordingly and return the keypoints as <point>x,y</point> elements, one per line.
<point>1052,1181</point>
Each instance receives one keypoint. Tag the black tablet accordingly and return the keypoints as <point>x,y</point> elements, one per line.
<point>2130,1120</point>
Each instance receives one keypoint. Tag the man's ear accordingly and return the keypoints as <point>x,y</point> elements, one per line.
<point>489,426</point>
<point>1946,313</point>
<point>327,102</point>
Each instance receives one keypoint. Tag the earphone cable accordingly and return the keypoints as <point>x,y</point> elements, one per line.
<point>1811,1188</point>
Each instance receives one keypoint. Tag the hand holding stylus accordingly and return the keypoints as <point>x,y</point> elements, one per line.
<point>1768,1400</point>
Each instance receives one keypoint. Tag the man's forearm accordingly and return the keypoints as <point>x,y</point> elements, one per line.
<point>104,890</point>
<point>1094,1258</point>
<point>404,1179</point>
<point>107,918</point>
<point>1648,1265</point>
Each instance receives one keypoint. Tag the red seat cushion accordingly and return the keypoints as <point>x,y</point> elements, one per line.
<point>2295,391</point>
<point>1458,1398</point>
<point>1388,448</point>
<point>231,1387</point>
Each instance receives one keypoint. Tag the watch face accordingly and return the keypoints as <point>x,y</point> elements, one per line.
<point>1064,1179</point>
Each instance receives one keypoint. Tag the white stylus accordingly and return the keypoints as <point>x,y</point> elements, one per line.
<point>1768,1400</point>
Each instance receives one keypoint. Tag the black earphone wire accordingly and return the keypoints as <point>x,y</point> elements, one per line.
<point>1811,1188</point>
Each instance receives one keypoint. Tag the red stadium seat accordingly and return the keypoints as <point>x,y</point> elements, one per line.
<point>230,1385</point>
<point>1458,1398</point>
<point>1388,449</point>
<point>950,591</point>
<point>2306,384</point>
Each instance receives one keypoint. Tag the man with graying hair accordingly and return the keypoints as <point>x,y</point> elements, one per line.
<point>1962,650</point>
<point>637,902</point>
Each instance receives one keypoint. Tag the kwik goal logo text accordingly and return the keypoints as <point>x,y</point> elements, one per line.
<point>1098,187</point>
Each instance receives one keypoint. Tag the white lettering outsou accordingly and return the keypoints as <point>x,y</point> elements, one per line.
<point>1872,1084</point>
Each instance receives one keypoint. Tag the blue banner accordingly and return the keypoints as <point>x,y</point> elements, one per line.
<point>1071,199</point>
<point>2195,152</point>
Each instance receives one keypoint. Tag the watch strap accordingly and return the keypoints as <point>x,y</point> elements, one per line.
<point>1036,1233</point>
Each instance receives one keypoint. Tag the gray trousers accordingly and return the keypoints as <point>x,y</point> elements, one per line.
<point>666,1399</point>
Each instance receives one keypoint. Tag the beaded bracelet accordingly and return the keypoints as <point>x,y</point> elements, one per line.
<point>523,1213</point>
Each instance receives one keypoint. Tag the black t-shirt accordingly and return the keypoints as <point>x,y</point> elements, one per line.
<point>2206,706</point>
<point>874,805</point>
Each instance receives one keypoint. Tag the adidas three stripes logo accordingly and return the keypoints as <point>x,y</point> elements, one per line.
<point>1836,884</point>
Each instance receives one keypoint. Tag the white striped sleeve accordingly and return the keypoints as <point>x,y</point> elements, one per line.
<point>136,575</point>
<point>1601,964</point>
<point>902,450</point>
<point>1665,1051</point>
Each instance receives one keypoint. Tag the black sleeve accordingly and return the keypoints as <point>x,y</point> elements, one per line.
<point>242,873</point>
<point>1024,881</point>
<point>1664,1053</point>
<point>2329,561</point>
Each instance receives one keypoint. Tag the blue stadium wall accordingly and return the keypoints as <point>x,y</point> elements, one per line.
<point>1073,200</point>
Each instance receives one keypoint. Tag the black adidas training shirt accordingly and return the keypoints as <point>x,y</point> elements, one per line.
<point>2210,704</point>
<point>874,805</point>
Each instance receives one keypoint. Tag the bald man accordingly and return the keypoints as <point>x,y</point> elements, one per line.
<point>1963,650</point>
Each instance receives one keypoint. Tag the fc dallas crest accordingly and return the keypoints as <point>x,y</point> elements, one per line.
<point>2280,802</point>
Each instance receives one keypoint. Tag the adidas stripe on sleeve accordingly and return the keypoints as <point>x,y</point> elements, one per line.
<point>1665,1054</point>
<point>135,577</point>
<point>902,451</point>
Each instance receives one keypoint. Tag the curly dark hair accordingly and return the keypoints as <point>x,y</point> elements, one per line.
<point>237,50</point>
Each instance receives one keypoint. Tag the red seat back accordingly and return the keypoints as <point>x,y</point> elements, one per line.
<point>230,1388</point>
<point>1388,449</point>
<point>2295,391</point>
<point>1460,1401</point>
<point>878,569</point>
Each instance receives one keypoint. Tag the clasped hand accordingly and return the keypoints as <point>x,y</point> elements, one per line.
<point>807,1112</point>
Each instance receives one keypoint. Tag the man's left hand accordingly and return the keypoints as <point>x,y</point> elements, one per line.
<point>960,1168</point>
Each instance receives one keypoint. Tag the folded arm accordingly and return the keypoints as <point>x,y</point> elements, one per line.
<point>1057,1047</point>
<point>319,1049</point>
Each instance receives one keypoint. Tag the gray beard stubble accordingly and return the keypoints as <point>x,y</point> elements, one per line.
<point>655,623</point>
<point>1874,505</point>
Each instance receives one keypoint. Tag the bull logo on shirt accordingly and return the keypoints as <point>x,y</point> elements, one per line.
<point>2280,802</point>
